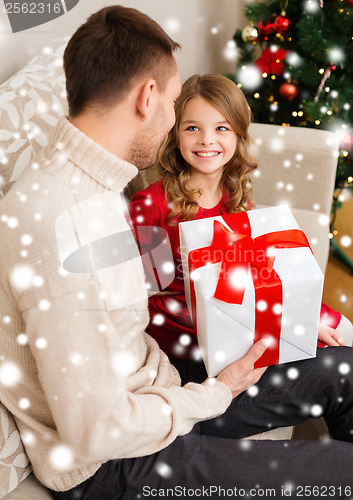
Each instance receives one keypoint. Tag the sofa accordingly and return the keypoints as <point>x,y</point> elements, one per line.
<point>296,166</point>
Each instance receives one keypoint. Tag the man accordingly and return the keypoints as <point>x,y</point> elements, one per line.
<point>106,416</point>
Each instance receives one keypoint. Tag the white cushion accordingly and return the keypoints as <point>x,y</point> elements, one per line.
<point>31,102</point>
<point>29,489</point>
<point>14,463</point>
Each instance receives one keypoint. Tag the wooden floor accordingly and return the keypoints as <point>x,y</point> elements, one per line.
<point>338,287</point>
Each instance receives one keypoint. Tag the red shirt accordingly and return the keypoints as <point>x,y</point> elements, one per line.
<point>170,322</point>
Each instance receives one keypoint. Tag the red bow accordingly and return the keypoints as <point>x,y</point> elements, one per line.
<point>238,252</point>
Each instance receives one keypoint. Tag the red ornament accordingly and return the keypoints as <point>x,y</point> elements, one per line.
<point>288,91</point>
<point>350,2</point>
<point>346,141</point>
<point>265,29</point>
<point>281,24</point>
<point>270,61</point>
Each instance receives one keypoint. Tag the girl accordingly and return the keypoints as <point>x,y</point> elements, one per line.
<point>205,166</point>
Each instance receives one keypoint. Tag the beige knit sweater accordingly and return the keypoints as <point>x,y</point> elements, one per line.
<point>84,381</point>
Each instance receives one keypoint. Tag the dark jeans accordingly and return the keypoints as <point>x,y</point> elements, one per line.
<point>212,461</point>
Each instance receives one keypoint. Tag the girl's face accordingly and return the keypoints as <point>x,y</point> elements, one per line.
<point>206,140</point>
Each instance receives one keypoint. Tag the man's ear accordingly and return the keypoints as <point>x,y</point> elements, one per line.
<point>147,99</point>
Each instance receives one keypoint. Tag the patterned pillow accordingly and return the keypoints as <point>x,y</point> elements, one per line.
<point>14,463</point>
<point>31,102</point>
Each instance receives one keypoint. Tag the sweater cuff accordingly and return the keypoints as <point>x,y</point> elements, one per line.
<point>223,392</point>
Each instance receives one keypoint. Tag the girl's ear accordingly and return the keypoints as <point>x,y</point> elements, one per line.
<point>146,99</point>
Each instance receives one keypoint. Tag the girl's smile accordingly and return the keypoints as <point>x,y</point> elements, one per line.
<point>207,154</point>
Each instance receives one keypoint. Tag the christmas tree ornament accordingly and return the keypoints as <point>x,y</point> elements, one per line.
<point>327,74</point>
<point>265,29</point>
<point>249,33</point>
<point>346,141</point>
<point>288,91</point>
<point>271,61</point>
<point>281,24</point>
<point>350,2</point>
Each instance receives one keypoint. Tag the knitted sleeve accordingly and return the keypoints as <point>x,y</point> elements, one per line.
<point>96,381</point>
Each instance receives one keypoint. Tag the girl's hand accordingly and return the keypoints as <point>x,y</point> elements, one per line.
<point>329,335</point>
<point>240,375</point>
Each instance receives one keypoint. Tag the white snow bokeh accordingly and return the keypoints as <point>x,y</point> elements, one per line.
<point>124,363</point>
<point>336,55</point>
<point>293,373</point>
<point>294,59</point>
<point>196,354</point>
<point>173,305</point>
<point>238,278</point>
<point>61,457</point>
<point>41,343</point>
<point>26,239</point>
<point>346,241</point>
<point>22,339</point>
<point>261,305</point>
<point>22,277</point>
<point>311,6</point>
<point>168,267</point>
<point>158,319</point>
<point>231,51</point>
<point>277,309</point>
<point>277,379</point>
<point>185,339</point>
<point>249,77</point>
<point>28,438</point>
<point>316,410</point>
<point>10,374</point>
<point>166,409</point>
<point>253,391</point>
<point>172,25</point>
<point>76,358</point>
<point>164,470</point>
<point>299,330</point>
<point>245,444</point>
<point>12,222</point>
<point>24,403</point>
<point>44,305</point>
<point>220,356</point>
<point>344,368</point>
<point>328,361</point>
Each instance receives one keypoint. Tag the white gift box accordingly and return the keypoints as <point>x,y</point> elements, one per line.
<point>227,330</point>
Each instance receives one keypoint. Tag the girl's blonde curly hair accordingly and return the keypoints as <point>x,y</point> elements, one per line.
<point>229,100</point>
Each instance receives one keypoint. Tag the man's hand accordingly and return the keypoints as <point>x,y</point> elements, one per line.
<point>329,335</point>
<point>240,375</point>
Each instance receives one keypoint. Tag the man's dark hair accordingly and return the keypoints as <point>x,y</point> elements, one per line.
<point>116,46</point>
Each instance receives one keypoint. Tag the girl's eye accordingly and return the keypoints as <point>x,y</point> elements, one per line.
<point>192,128</point>
<point>222,128</point>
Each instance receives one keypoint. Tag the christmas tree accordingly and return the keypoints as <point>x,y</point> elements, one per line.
<point>295,68</point>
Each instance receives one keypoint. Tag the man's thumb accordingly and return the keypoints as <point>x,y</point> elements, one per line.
<point>259,348</point>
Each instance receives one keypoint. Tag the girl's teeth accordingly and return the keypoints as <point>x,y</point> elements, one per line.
<point>211,153</point>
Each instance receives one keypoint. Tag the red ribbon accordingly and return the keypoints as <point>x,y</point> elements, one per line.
<point>238,253</point>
